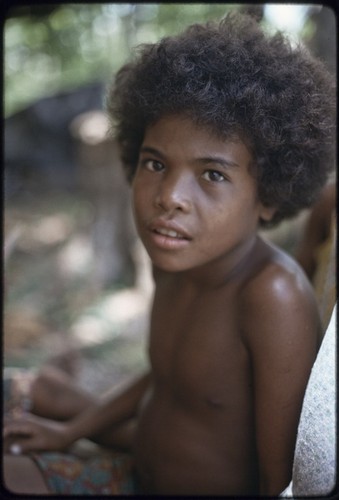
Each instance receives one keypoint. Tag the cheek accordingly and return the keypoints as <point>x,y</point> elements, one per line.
<point>246,202</point>
<point>138,190</point>
<point>239,214</point>
<point>141,187</point>
<point>141,201</point>
<point>215,228</point>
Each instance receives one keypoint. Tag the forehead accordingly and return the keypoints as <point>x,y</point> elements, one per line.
<point>180,134</point>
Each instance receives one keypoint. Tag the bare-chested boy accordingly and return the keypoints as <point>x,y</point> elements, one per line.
<point>222,130</point>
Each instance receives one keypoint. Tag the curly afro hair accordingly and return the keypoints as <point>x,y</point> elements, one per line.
<point>234,79</point>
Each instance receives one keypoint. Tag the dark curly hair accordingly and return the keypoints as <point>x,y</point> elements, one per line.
<point>234,79</point>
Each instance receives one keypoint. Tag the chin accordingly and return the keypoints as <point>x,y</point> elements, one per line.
<point>169,265</point>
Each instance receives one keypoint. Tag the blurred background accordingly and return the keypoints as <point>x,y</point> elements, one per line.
<point>76,280</point>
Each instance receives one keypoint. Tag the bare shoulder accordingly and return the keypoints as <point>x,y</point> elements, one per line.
<point>280,328</point>
<point>278,301</point>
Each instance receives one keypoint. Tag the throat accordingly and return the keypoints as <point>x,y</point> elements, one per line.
<point>226,268</point>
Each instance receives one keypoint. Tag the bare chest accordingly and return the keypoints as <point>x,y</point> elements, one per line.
<point>197,349</point>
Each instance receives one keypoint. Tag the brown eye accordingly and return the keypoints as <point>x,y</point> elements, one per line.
<point>153,165</point>
<point>213,176</point>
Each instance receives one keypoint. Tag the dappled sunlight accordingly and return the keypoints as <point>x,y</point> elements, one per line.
<point>34,234</point>
<point>92,127</point>
<point>124,305</point>
<point>51,229</point>
<point>22,326</point>
<point>112,316</point>
<point>90,330</point>
<point>54,298</point>
<point>290,18</point>
<point>76,257</point>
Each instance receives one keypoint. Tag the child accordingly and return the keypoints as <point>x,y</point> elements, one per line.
<point>222,130</point>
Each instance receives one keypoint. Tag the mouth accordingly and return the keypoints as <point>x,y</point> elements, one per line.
<point>169,233</point>
<point>169,236</point>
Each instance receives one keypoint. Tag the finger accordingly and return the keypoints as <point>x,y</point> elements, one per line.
<point>22,446</point>
<point>27,417</point>
<point>18,428</point>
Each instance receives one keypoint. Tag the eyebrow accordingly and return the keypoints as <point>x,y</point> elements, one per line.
<point>152,151</point>
<point>221,160</point>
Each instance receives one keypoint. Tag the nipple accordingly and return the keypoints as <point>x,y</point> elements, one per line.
<point>215,403</point>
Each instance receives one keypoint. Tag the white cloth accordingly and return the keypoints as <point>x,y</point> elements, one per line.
<point>314,468</point>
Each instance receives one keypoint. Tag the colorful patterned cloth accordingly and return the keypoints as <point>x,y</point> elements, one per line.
<point>107,474</point>
<point>101,473</point>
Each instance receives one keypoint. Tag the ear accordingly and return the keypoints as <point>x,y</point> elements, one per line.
<point>266,212</point>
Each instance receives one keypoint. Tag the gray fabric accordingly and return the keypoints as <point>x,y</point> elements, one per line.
<point>314,469</point>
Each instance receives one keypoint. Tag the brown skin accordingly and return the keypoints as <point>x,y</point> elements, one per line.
<point>234,330</point>
<point>240,390</point>
<point>317,229</point>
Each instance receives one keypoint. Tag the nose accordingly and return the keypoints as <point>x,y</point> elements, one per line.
<point>174,193</point>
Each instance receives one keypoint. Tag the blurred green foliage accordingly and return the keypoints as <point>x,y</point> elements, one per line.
<point>70,44</point>
<point>50,48</point>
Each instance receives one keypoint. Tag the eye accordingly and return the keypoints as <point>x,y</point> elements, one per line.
<point>153,165</point>
<point>213,176</point>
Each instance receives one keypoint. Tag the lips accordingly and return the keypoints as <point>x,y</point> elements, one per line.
<point>169,232</point>
<point>168,235</point>
<point>170,229</point>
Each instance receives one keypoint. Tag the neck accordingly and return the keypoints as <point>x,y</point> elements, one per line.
<point>216,273</point>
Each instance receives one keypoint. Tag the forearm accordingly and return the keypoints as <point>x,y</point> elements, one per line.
<point>274,486</point>
<point>109,411</point>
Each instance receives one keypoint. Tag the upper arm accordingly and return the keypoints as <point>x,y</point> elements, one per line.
<point>281,327</point>
<point>316,229</point>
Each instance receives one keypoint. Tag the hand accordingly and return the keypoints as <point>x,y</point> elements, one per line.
<point>32,433</point>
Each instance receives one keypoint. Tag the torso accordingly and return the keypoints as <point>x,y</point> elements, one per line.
<point>196,428</point>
